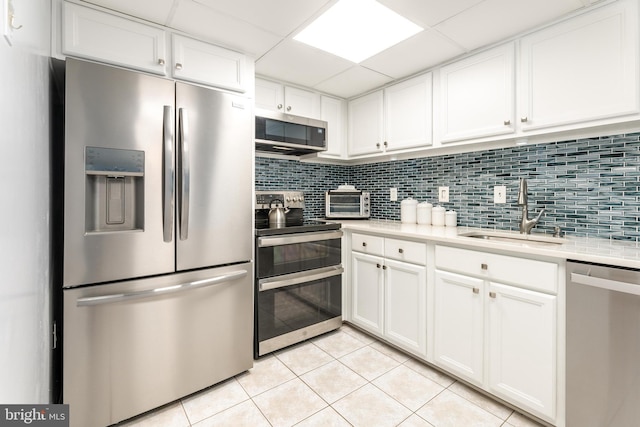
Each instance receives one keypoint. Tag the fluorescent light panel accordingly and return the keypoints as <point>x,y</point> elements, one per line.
<point>357,29</point>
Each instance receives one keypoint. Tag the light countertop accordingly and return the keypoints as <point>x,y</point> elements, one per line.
<point>589,249</point>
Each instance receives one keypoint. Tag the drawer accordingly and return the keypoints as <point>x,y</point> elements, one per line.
<point>413,252</point>
<point>364,243</point>
<point>528,273</point>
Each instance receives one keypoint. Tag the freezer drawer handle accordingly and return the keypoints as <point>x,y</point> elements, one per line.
<point>265,242</point>
<point>168,175</point>
<point>298,278</point>
<point>184,173</point>
<point>108,299</point>
<point>612,285</point>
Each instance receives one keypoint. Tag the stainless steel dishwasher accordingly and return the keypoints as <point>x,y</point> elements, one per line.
<point>603,346</point>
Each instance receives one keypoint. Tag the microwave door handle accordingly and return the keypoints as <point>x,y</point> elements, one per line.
<point>167,174</point>
<point>183,124</point>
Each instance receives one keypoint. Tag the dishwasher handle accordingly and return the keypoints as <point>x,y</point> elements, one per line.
<point>112,298</point>
<point>612,285</point>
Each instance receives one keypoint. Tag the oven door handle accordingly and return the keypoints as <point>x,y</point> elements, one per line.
<point>289,239</point>
<point>297,278</point>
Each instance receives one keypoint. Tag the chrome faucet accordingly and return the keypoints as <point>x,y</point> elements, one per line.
<point>526,224</point>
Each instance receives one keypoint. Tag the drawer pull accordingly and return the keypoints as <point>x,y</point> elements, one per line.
<point>484,266</point>
<point>507,122</point>
<point>384,267</point>
<point>364,244</point>
<point>378,265</point>
<point>492,294</point>
<point>401,251</point>
<point>476,290</point>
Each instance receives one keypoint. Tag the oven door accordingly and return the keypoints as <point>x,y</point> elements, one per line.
<point>292,253</point>
<point>295,307</point>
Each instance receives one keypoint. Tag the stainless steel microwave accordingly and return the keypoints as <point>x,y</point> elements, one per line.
<point>283,133</point>
<point>347,204</point>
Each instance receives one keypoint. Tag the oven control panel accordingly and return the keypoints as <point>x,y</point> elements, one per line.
<point>289,199</point>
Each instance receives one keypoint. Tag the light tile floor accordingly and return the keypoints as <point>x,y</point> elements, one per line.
<point>344,378</point>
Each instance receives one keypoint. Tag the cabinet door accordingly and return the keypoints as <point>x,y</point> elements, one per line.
<point>581,70</point>
<point>477,95</point>
<point>407,113</point>
<point>333,111</point>
<point>458,325</point>
<point>405,320</point>
<point>205,63</point>
<point>522,348</point>
<point>301,102</point>
<point>367,291</point>
<point>269,95</point>
<point>92,34</point>
<point>365,124</point>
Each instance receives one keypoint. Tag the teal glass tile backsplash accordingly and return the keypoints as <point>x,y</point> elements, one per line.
<point>589,187</point>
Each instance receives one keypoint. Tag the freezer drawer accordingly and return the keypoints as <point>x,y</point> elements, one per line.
<point>130,347</point>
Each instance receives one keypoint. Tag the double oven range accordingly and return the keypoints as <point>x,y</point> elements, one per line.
<point>298,289</point>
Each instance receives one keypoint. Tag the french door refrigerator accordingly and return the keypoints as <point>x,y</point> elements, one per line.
<point>157,262</point>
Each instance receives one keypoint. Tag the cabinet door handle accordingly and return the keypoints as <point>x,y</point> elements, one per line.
<point>484,266</point>
<point>178,66</point>
<point>507,122</point>
<point>476,290</point>
<point>524,119</point>
<point>377,145</point>
<point>385,144</point>
<point>492,294</point>
<point>160,61</point>
<point>384,267</point>
<point>279,106</point>
<point>364,244</point>
<point>289,108</point>
<point>378,266</point>
<point>401,251</point>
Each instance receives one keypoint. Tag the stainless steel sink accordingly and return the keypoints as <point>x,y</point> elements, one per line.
<point>506,237</point>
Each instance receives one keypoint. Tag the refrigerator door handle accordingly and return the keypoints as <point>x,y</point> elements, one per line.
<point>183,123</point>
<point>167,174</point>
<point>112,298</point>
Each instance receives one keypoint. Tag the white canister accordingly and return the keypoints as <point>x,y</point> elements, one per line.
<point>424,213</point>
<point>408,211</point>
<point>437,215</point>
<point>451,218</point>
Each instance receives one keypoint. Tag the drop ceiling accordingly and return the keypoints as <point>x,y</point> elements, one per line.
<point>264,29</point>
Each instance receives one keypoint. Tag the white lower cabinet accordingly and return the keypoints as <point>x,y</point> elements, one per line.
<point>501,337</point>
<point>388,290</point>
<point>459,325</point>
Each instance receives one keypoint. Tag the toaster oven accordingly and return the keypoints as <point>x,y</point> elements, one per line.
<point>347,203</point>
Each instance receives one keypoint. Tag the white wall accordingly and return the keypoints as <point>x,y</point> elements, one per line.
<point>24,209</point>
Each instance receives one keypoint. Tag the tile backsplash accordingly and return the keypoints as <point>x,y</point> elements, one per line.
<point>588,187</point>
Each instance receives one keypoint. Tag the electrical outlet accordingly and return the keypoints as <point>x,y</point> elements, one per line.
<point>500,194</point>
<point>393,194</point>
<point>443,194</point>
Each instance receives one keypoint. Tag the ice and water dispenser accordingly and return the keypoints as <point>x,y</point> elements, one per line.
<point>114,190</point>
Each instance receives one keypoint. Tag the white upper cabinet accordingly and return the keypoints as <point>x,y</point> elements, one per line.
<point>100,36</point>
<point>205,63</point>
<point>581,70</point>
<point>333,111</point>
<point>366,124</point>
<point>285,99</point>
<point>477,96</point>
<point>408,113</point>
<point>91,34</point>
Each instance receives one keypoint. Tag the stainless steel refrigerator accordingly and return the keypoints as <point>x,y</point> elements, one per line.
<point>158,220</point>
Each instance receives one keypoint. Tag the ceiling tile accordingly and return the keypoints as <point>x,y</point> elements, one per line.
<point>298,63</point>
<point>418,53</point>
<point>201,21</point>
<point>352,82</point>
<point>429,12</point>
<point>150,10</point>
<point>486,22</point>
<point>279,17</point>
